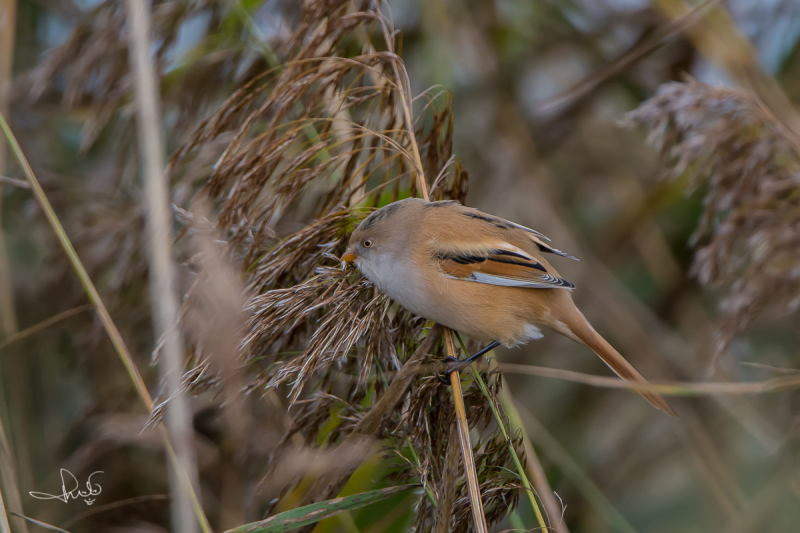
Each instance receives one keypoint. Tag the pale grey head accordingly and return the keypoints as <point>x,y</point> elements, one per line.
<point>378,246</point>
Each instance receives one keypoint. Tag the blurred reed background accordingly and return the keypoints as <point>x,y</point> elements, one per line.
<point>657,141</point>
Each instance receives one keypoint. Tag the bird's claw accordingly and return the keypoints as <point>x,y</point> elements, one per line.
<point>457,365</point>
<point>454,365</point>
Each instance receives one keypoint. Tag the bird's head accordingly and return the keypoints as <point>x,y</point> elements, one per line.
<point>381,237</point>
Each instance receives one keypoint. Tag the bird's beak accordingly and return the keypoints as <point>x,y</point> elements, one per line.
<point>348,257</point>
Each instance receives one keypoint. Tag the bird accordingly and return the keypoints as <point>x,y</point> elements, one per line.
<point>478,274</point>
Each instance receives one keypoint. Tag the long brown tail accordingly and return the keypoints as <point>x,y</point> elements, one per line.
<point>581,331</point>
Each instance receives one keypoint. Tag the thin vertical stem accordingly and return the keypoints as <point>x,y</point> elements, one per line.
<point>404,92</point>
<point>164,297</point>
<point>466,446</point>
<point>8,315</point>
<point>4,527</point>
<point>410,126</point>
<point>9,483</point>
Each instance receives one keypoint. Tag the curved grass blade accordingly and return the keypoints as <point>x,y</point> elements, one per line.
<point>39,523</point>
<point>310,514</point>
<point>43,325</point>
<point>105,317</point>
<point>666,388</point>
<point>520,470</point>
<point>574,472</point>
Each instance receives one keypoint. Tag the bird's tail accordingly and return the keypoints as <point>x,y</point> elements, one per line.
<point>580,330</point>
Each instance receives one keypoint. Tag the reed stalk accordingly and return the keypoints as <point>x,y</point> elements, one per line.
<point>466,446</point>
<point>163,295</point>
<point>8,315</point>
<point>4,527</point>
<point>401,78</point>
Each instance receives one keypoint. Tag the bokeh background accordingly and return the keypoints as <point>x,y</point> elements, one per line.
<point>540,88</point>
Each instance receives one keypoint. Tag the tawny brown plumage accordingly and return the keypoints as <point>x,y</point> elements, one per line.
<point>477,274</point>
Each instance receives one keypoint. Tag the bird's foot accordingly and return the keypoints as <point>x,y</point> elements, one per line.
<point>456,365</point>
<point>453,365</point>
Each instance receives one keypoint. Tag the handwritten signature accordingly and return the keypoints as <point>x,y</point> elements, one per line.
<point>75,493</point>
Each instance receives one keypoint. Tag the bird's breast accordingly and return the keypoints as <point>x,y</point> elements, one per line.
<point>480,311</point>
<point>401,281</point>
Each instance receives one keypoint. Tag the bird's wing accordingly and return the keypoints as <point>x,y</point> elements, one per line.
<point>540,240</point>
<point>495,262</point>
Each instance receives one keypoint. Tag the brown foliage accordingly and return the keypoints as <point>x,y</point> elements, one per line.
<point>280,173</point>
<point>313,145</point>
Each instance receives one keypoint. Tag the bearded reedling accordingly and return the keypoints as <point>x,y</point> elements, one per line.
<point>477,274</point>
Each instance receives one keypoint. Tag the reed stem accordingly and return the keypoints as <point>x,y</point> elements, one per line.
<point>466,446</point>
<point>163,294</point>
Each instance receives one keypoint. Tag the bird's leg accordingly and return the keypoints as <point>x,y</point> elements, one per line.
<point>456,365</point>
<point>477,355</point>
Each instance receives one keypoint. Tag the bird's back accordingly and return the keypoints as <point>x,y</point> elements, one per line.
<point>449,221</point>
<point>486,312</point>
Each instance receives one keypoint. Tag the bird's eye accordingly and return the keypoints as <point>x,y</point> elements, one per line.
<point>367,243</point>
